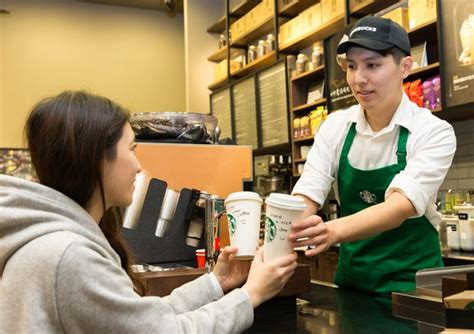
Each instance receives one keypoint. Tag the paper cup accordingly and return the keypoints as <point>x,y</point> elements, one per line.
<point>281,210</point>
<point>243,216</point>
<point>201,258</point>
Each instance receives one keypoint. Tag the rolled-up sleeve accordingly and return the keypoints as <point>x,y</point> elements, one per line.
<point>321,165</point>
<point>429,156</point>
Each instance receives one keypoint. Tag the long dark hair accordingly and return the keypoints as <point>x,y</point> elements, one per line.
<point>69,135</point>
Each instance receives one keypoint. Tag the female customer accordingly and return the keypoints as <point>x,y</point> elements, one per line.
<point>64,266</point>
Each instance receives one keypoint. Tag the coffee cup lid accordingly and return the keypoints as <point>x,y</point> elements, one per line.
<point>247,195</point>
<point>286,201</point>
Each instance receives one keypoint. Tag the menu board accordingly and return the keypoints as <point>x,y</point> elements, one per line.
<point>220,107</point>
<point>340,95</point>
<point>458,51</point>
<point>245,114</point>
<point>273,105</point>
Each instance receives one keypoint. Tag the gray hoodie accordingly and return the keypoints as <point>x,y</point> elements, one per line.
<point>59,274</point>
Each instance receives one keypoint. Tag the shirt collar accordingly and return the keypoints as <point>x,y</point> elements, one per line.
<point>402,117</point>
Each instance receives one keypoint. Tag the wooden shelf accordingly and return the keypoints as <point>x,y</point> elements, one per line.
<point>299,161</point>
<point>217,84</point>
<point>436,110</point>
<point>304,139</point>
<point>424,32</point>
<point>236,12</point>
<point>254,34</point>
<point>218,27</point>
<point>327,29</point>
<point>294,8</point>
<point>430,69</point>
<point>243,8</point>
<point>219,55</point>
<point>256,64</point>
<point>309,105</point>
<point>370,7</point>
<point>313,73</point>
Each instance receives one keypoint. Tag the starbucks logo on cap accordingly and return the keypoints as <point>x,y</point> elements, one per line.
<point>270,229</point>
<point>232,223</point>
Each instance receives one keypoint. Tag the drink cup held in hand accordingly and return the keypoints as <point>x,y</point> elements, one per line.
<point>243,215</point>
<point>281,210</point>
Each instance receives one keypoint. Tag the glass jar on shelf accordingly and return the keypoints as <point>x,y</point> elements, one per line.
<point>317,56</point>
<point>270,43</point>
<point>261,48</point>
<point>251,54</point>
<point>301,63</point>
<point>222,41</point>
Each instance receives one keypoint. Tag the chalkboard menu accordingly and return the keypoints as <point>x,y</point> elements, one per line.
<point>220,106</point>
<point>273,105</point>
<point>458,51</point>
<point>340,95</point>
<point>245,114</point>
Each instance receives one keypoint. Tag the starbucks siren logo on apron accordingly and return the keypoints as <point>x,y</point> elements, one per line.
<point>232,223</point>
<point>270,229</point>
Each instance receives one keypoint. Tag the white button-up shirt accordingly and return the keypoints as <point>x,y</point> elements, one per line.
<point>430,151</point>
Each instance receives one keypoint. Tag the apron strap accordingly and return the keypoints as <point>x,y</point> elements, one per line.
<point>402,146</point>
<point>348,142</point>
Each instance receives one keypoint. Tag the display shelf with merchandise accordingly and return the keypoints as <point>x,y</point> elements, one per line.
<point>219,55</point>
<point>236,12</point>
<point>307,106</point>
<point>367,7</point>
<point>255,65</point>
<point>293,8</point>
<point>318,71</point>
<point>318,34</point>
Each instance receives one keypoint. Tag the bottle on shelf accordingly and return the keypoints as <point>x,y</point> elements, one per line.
<point>251,54</point>
<point>301,63</point>
<point>317,56</point>
<point>261,48</point>
<point>222,41</point>
<point>270,43</point>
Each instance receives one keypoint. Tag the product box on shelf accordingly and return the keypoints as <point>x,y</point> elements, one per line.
<point>331,9</point>
<point>421,11</point>
<point>266,10</point>
<point>399,15</point>
<point>354,3</point>
<point>220,71</point>
<point>290,30</point>
<point>238,28</point>
<point>310,19</point>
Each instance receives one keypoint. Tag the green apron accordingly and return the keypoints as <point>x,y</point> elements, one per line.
<point>387,261</point>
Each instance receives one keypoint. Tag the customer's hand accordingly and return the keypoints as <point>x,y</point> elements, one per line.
<point>230,272</point>
<point>266,279</point>
<point>311,231</point>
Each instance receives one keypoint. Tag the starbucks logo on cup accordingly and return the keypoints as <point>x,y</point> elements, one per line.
<point>232,223</point>
<point>270,229</point>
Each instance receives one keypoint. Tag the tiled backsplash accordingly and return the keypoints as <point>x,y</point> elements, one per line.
<point>461,174</point>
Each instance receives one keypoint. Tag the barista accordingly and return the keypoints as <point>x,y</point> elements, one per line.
<point>386,158</point>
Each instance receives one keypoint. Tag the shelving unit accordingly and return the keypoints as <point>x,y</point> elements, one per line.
<point>255,65</point>
<point>300,84</point>
<point>294,8</point>
<point>327,29</point>
<point>219,55</point>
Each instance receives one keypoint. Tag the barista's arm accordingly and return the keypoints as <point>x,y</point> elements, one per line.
<point>311,206</point>
<point>363,224</point>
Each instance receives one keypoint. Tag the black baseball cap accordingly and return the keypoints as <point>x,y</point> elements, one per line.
<point>375,33</point>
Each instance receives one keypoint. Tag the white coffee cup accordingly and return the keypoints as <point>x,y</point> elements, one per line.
<point>281,210</point>
<point>243,210</point>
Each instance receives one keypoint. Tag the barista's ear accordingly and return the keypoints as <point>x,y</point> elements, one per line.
<point>406,64</point>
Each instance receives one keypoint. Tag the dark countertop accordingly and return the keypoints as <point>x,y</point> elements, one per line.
<point>326,309</point>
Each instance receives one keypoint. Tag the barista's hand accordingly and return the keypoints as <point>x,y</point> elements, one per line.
<point>314,232</point>
<point>266,279</point>
<point>229,272</point>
